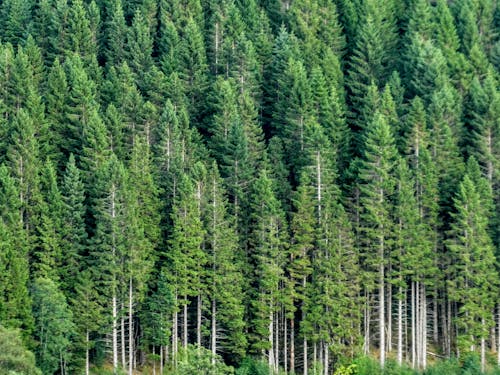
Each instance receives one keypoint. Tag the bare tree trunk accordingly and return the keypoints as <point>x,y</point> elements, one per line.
<point>327,364</point>
<point>389,317</point>
<point>185,324</point>
<point>381,312</point>
<point>292,345</point>
<point>483,347</point>
<point>175,333</point>
<point>498,336</point>
<point>123,345</point>
<point>198,321</point>
<point>435,318</point>
<point>285,344</point>
<point>305,356</point>
<point>154,360</point>
<point>87,360</point>
<point>130,327</point>
<point>413,325</point>
<point>366,343</point>
<point>115,336</point>
<point>277,340</point>
<point>161,359</point>
<point>271,334</point>
<point>214,332</point>
<point>423,323</point>
<point>400,327</point>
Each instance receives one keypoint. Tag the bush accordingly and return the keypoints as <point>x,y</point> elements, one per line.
<point>15,359</point>
<point>251,366</point>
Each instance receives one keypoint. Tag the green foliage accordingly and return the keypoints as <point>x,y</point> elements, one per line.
<point>194,360</point>
<point>15,359</point>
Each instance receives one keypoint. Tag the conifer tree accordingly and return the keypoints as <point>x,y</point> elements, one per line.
<point>267,245</point>
<point>15,301</point>
<point>472,284</point>
<point>224,262</point>
<point>377,187</point>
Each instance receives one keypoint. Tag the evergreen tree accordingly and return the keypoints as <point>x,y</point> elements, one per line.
<point>472,284</point>
<point>377,178</point>
<point>53,326</point>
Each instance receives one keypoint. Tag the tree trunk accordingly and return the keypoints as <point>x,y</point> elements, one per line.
<point>154,360</point>
<point>366,341</point>
<point>198,321</point>
<point>161,359</point>
<point>292,345</point>
<point>87,360</point>
<point>271,340</point>
<point>285,344</point>
<point>326,359</point>
<point>122,335</point>
<point>413,325</point>
<point>483,347</point>
<point>498,336</point>
<point>381,312</point>
<point>115,336</point>
<point>130,327</point>
<point>185,324</point>
<point>400,327</point>
<point>305,356</point>
<point>213,336</point>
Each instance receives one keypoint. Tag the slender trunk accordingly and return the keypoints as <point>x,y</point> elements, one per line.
<point>327,364</point>
<point>400,327</point>
<point>305,356</point>
<point>423,323</point>
<point>271,348</point>
<point>161,359</point>
<point>130,327</point>
<point>389,317</point>
<point>122,335</point>
<point>285,344</point>
<point>277,341</point>
<point>185,324</point>
<point>115,336</point>
<point>292,345</point>
<point>483,347</point>
<point>175,333</point>
<point>413,327</point>
<point>154,360</point>
<point>498,335</point>
<point>87,361</point>
<point>213,336</point>
<point>381,312</point>
<point>198,321</point>
<point>366,341</point>
<point>435,318</point>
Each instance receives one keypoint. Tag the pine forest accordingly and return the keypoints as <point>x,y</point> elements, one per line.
<point>249,187</point>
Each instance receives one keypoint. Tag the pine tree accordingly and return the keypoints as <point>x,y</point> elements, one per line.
<point>74,235</point>
<point>185,252</point>
<point>377,187</point>
<point>471,284</point>
<point>224,262</point>
<point>15,301</point>
<point>15,21</point>
<point>267,245</point>
<point>53,326</point>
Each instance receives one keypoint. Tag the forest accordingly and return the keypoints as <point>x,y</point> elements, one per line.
<point>249,187</point>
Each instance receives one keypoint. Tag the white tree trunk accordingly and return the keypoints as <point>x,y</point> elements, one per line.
<point>185,324</point>
<point>115,336</point>
<point>400,327</point>
<point>87,359</point>
<point>213,335</point>
<point>198,321</point>
<point>271,348</point>
<point>130,327</point>
<point>381,313</point>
